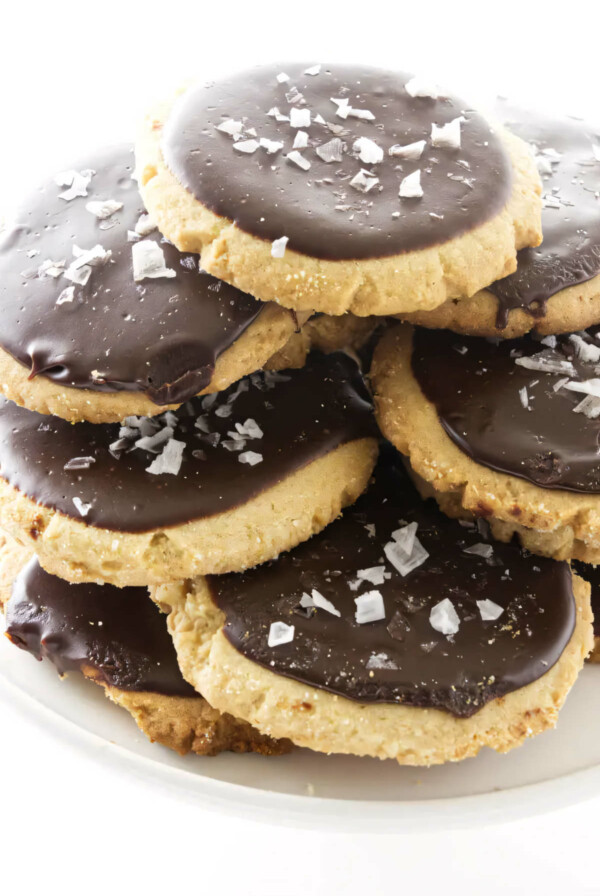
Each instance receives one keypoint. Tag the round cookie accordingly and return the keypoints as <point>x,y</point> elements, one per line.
<point>556,287</point>
<point>102,318</point>
<point>504,431</point>
<point>395,633</point>
<point>120,641</point>
<point>344,189</point>
<point>225,482</point>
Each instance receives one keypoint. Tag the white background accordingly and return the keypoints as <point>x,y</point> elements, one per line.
<point>72,74</point>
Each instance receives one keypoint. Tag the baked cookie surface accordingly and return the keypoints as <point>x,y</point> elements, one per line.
<point>394,633</point>
<point>556,287</point>
<point>103,318</point>
<point>506,431</point>
<point>348,189</point>
<point>119,640</point>
<point>225,482</point>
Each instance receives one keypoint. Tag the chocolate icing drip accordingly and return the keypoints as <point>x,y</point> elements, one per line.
<point>267,195</point>
<point>570,252</point>
<point>478,398</point>
<point>402,658</point>
<point>592,575</point>
<point>115,635</point>
<point>303,414</point>
<point>158,336</point>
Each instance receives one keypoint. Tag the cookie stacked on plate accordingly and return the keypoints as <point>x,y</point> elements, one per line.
<point>196,517</point>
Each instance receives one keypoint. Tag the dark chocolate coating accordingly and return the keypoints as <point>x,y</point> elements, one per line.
<point>476,395</point>
<point>159,336</point>
<point>269,196</point>
<point>304,414</point>
<point>460,673</point>
<point>570,252</point>
<point>115,635</point>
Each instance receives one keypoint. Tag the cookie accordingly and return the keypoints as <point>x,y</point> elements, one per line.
<point>344,189</point>
<point>225,482</point>
<point>507,431</point>
<point>556,287</point>
<point>327,334</point>
<point>591,574</point>
<point>395,633</point>
<point>119,640</point>
<point>102,318</point>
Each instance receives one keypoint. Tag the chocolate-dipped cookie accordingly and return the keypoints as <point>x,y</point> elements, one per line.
<point>103,318</point>
<point>119,640</point>
<point>508,431</point>
<point>339,188</point>
<point>225,482</point>
<point>395,633</point>
<point>556,287</point>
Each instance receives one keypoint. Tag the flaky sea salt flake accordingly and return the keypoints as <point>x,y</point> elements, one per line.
<point>169,460</point>
<point>364,181</point>
<point>103,208</point>
<point>149,261</point>
<point>83,508</point>
<point>313,70</point>
<point>300,140</point>
<point>231,127</point>
<point>480,550</point>
<point>271,146</point>
<point>298,159</point>
<point>299,118</point>
<point>489,610</point>
<point>331,151</point>
<point>246,146</point>
<point>250,457</point>
<point>447,135</point>
<point>316,599</point>
<point>280,633</point>
<point>76,181</point>
<point>278,247</point>
<point>369,607</point>
<point>368,151</point>
<point>67,295</point>
<point>444,618</point>
<point>410,186</point>
<point>410,151</point>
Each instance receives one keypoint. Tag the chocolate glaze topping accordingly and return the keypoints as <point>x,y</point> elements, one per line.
<point>570,252</point>
<point>477,389</point>
<point>115,635</point>
<point>269,195</point>
<point>403,658</point>
<point>302,414</point>
<point>158,336</point>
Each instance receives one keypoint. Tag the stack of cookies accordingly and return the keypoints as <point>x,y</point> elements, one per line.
<point>206,511</point>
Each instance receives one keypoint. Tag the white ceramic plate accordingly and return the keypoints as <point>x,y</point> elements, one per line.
<point>336,792</point>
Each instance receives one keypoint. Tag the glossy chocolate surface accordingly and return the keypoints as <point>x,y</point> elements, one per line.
<point>115,635</point>
<point>158,336</point>
<point>569,158</point>
<point>302,414</point>
<point>477,389</point>
<point>403,658</point>
<point>323,215</point>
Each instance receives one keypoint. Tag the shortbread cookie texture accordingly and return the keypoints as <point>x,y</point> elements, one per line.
<point>339,188</point>
<point>556,287</point>
<point>103,318</point>
<point>591,574</point>
<point>119,640</point>
<point>395,633</point>
<point>226,482</point>
<point>506,431</point>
